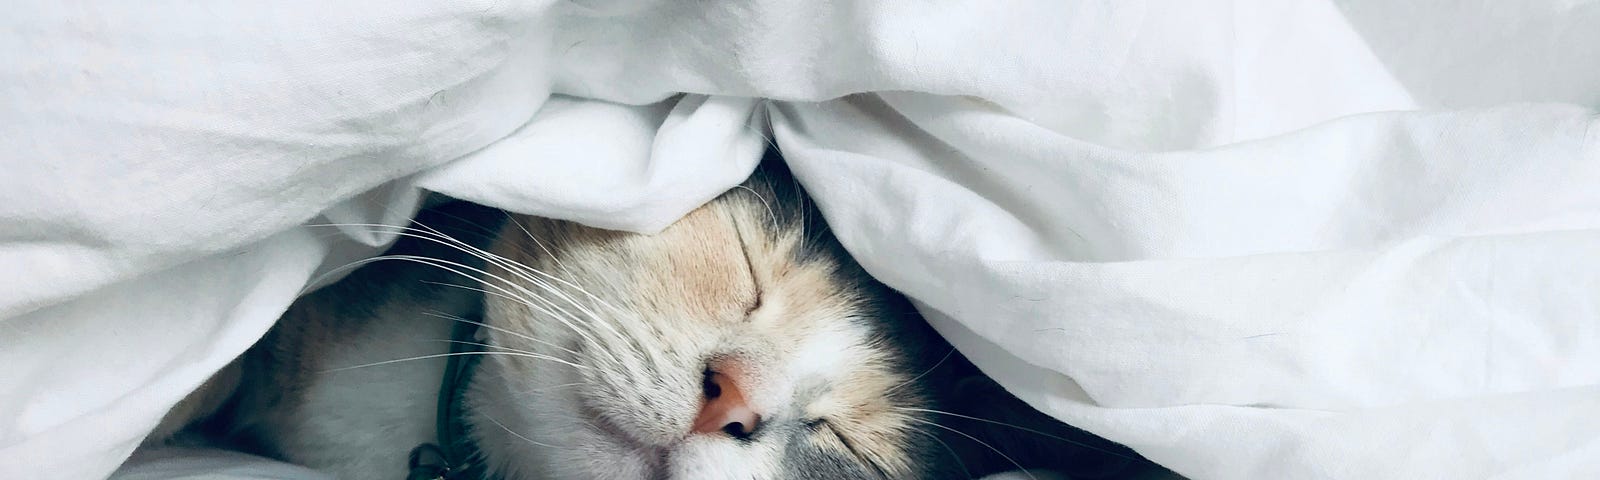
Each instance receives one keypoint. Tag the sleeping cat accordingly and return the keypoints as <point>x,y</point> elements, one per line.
<point>740,343</point>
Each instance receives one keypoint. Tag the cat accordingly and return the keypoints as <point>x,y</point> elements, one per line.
<point>742,342</point>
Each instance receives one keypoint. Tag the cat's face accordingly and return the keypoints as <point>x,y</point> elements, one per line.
<point>740,343</point>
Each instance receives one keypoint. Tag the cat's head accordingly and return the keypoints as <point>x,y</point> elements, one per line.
<point>740,343</point>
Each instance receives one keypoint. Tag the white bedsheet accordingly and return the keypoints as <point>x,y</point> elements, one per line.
<point>1250,239</point>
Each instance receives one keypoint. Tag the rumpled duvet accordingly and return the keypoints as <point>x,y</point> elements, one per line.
<point>1344,239</point>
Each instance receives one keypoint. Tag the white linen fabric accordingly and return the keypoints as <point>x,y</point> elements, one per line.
<point>1249,239</point>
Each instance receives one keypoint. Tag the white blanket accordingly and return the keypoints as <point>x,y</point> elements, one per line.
<point>1250,239</point>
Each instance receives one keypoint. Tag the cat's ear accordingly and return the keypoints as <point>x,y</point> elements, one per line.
<point>1008,434</point>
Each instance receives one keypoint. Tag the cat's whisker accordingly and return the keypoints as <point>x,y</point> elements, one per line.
<point>546,305</point>
<point>574,420</point>
<point>947,448</point>
<point>413,258</point>
<point>549,417</point>
<point>568,298</point>
<point>771,214</point>
<point>454,354</point>
<point>518,435</point>
<point>335,271</point>
<point>524,272</point>
<point>527,337</point>
<point>500,348</point>
<point>442,264</point>
<point>1018,427</point>
<point>794,182</point>
<point>997,451</point>
<point>515,268</point>
<point>513,265</point>
<point>485,230</point>
<point>643,359</point>
<point>764,137</point>
<point>425,235</point>
<point>611,350</point>
<point>546,417</point>
<point>935,366</point>
<point>547,253</point>
<point>560,280</point>
<point>547,287</point>
<point>549,388</point>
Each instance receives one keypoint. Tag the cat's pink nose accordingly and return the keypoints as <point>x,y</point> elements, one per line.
<point>725,409</point>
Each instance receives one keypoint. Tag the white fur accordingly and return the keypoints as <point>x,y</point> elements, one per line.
<point>387,409</point>
<point>826,352</point>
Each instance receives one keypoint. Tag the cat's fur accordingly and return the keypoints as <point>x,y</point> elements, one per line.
<point>599,347</point>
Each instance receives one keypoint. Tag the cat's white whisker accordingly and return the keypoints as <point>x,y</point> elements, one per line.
<point>454,354</point>
<point>549,388</point>
<point>771,214</point>
<point>513,265</point>
<point>924,373</point>
<point>518,435</point>
<point>566,317</point>
<point>440,238</point>
<point>335,271</point>
<point>545,305</point>
<point>953,455</point>
<point>438,262</point>
<point>1018,427</point>
<point>997,451</point>
<point>497,329</point>
<point>547,253</point>
<point>523,271</point>
<point>432,235</point>
<point>568,298</point>
<point>489,345</point>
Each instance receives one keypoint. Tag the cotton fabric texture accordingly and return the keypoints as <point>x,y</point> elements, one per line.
<point>1249,239</point>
